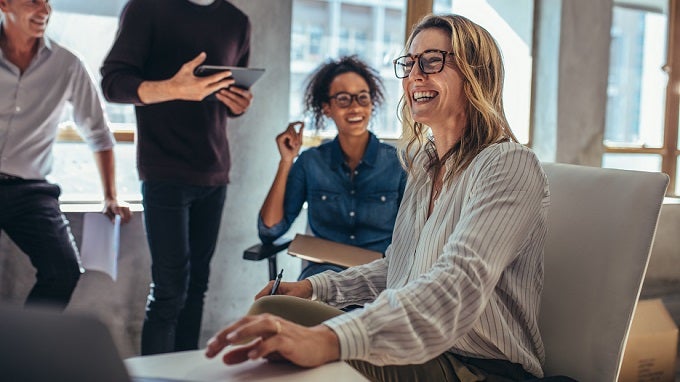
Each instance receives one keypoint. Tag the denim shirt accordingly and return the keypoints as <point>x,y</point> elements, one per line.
<point>358,210</point>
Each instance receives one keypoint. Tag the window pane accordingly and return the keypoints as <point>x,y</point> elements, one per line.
<point>371,29</point>
<point>91,36</point>
<point>510,22</point>
<point>74,169</point>
<point>636,89</point>
<point>640,162</point>
<point>442,6</point>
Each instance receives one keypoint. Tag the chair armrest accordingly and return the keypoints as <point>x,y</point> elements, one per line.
<point>264,251</point>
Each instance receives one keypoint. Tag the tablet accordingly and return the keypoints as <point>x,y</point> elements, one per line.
<point>245,77</point>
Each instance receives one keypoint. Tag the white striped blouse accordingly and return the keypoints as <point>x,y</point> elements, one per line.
<point>468,279</point>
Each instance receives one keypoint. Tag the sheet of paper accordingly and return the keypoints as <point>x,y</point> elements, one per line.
<point>194,366</point>
<point>99,249</point>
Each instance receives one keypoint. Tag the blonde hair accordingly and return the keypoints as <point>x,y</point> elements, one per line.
<point>479,62</point>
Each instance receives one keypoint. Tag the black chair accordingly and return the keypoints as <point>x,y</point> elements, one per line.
<point>268,251</point>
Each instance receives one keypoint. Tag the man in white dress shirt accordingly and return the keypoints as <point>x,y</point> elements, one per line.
<point>37,78</point>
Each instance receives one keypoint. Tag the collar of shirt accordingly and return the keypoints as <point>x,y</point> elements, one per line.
<point>369,158</point>
<point>43,43</point>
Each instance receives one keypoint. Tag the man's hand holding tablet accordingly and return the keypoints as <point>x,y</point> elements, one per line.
<point>244,77</point>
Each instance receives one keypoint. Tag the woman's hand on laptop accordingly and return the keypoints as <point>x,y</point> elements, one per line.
<point>302,289</point>
<point>275,339</point>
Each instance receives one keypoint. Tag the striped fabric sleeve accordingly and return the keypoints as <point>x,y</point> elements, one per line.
<point>353,286</point>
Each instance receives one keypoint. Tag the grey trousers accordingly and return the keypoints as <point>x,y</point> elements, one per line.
<point>446,367</point>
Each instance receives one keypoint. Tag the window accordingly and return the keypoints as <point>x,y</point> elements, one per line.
<point>373,29</point>
<point>635,135</point>
<point>365,28</point>
<point>510,22</point>
<point>91,36</point>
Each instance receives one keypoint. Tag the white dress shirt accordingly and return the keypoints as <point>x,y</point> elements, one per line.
<point>468,279</point>
<point>31,105</point>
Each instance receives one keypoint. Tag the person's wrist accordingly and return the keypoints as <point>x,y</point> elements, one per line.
<point>170,86</point>
<point>309,289</point>
<point>330,341</point>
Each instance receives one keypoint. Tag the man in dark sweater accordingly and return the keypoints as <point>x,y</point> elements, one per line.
<point>182,149</point>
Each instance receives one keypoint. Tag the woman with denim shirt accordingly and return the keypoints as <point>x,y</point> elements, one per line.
<point>353,185</point>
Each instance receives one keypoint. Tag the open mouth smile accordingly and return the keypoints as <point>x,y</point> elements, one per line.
<point>424,96</point>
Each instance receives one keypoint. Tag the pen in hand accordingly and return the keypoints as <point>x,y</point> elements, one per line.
<point>276,283</point>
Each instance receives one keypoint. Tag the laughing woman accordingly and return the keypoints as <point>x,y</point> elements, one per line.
<point>456,297</point>
<point>353,185</point>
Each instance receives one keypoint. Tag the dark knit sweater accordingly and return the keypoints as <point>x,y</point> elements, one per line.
<point>178,141</point>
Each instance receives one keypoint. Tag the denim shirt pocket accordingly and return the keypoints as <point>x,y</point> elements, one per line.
<point>325,208</point>
<point>379,209</point>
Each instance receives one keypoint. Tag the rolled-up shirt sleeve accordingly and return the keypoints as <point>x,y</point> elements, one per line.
<point>88,112</point>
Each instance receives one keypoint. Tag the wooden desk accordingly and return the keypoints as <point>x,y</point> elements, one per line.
<point>194,366</point>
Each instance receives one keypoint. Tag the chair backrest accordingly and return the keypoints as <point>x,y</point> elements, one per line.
<point>600,230</point>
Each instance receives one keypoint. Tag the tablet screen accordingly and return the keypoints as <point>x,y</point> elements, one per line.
<point>245,77</point>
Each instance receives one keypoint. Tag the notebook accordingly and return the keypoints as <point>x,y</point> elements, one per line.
<point>325,251</point>
<point>41,345</point>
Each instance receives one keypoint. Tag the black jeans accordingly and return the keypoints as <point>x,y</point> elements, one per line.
<point>182,223</point>
<point>30,216</point>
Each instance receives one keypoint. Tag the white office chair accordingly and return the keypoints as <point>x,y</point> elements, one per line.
<point>600,231</point>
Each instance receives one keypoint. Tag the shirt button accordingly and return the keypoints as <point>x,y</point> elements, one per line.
<point>352,237</point>
<point>351,213</point>
<point>383,198</point>
<point>352,192</point>
<point>356,172</point>
<point>18,109</point>
<point>324,197</point>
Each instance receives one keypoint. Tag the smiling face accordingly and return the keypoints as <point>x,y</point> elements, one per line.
<point>352,120</point>
<point>26,19</point>
<point>436,100</point>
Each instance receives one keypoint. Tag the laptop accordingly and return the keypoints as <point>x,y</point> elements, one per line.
<point>41,345</point>
<point>325,251</point>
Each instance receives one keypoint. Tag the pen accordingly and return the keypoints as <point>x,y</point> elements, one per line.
<point>276,283</point>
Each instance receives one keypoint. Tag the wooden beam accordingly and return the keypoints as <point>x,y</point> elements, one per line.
<point>415,10</point>
<point>672,96</point>
<point>68,133</point>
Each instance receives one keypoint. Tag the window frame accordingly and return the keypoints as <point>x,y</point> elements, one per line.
<point>668,151</point>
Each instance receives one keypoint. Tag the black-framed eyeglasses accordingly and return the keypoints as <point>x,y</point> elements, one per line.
<point>430,61</point>
<point>344,99</point>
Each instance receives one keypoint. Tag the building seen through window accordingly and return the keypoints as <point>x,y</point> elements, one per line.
<point>372,29</point>
<point>510,22</point>
<point>636,89</point>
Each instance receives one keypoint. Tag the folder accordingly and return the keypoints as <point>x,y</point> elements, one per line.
<point>325,251</point>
